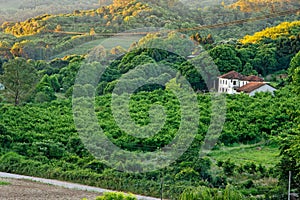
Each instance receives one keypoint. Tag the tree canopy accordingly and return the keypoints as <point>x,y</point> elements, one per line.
<point>19,79</point>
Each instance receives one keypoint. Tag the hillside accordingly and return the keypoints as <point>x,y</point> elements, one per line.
<point>48,145</point>
<point>20,10</point>
<point>284,30</point>
<point>45,36</point>
<point>50,124</point>
<point>52,35</point>
<point>265,5</point>
<point>116,17</point>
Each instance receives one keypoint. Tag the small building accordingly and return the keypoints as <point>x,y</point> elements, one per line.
<point>234,82</point>
<point>2,87</point>
<point>254,87</point>
<point>229,82</point>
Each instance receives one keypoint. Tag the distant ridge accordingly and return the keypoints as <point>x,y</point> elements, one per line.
<point>265,5</point>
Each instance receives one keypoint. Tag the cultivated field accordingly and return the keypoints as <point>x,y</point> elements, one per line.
<point>24,189</point>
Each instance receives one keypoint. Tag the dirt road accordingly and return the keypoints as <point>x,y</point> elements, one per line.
<point>20,189</point>
<point>32,188</point>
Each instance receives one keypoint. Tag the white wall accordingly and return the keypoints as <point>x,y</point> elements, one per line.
<point>265,88</point>
<point>227,85</point>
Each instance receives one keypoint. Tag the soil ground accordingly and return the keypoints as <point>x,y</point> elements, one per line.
<point>19,189</point>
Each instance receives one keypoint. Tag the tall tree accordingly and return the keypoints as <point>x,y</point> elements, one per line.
<point>225,57</point>
<point>19,79</point>
<point>294,72</point>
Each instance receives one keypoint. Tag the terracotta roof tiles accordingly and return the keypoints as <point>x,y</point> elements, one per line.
<point>236,75</point>
<point>250,87</point>
<point>232,75</point>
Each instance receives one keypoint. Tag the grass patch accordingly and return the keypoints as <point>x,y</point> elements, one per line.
<point>264,155</point>
<point>108,44</point>
<point>80,49</point>
<point>4,183</point>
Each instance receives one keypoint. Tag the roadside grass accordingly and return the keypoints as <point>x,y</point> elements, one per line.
<point>257,153</point>
<point>2,183</point>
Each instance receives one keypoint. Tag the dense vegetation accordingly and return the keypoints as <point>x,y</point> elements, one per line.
<point>47,143</point>
<point>265,5</point>
<point>22,10</point>
<point>46,36</point>
<point>38,135</point>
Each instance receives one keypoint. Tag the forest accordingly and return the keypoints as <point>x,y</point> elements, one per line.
<point>57,76</point>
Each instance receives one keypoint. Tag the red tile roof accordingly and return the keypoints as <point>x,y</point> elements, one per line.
<point>253,78</point>
<point>236,75</point>
<point>233,75</point>
<point>250,87</point>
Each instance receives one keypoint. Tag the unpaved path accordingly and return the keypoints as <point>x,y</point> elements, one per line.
<point>20,189</point>
<point>32,188</point>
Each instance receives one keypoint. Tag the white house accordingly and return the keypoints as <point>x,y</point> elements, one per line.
<point>234,82</point>
<point>230,81</point>
<point>253,87</point>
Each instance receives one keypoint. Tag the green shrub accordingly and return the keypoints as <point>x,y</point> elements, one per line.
<point>116,196</point>
<point>248,184</point>
<point>228,167</point>
<point>199,193</point>
<point>205,193</point>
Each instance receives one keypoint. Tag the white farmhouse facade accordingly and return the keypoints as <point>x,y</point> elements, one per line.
<point>229,85</point>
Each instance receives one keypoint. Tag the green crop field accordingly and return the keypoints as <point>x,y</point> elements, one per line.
<point>108,44</point>
<point>264,155</point>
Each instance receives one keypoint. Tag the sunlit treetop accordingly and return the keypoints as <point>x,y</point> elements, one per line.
<point>286,29</point>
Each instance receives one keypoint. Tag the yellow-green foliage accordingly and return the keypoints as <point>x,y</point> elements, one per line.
<point>283,29</point>
<point>28,27</point>
<point>263,5</point>
<point>100,20</point>
<point>116,196</point>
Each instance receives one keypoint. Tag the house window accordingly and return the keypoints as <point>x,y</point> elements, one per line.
<point>234,82</point>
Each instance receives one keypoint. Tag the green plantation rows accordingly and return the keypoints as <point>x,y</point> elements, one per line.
<point>41,140</point>
<point>47,134</point>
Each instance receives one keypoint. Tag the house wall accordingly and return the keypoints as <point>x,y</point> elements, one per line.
<point>229,85</point>
<point>265,88</point>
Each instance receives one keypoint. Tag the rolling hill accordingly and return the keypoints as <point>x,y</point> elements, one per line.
<point>48,35</point>
<point>265,5</point>
<point>286,29</point>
